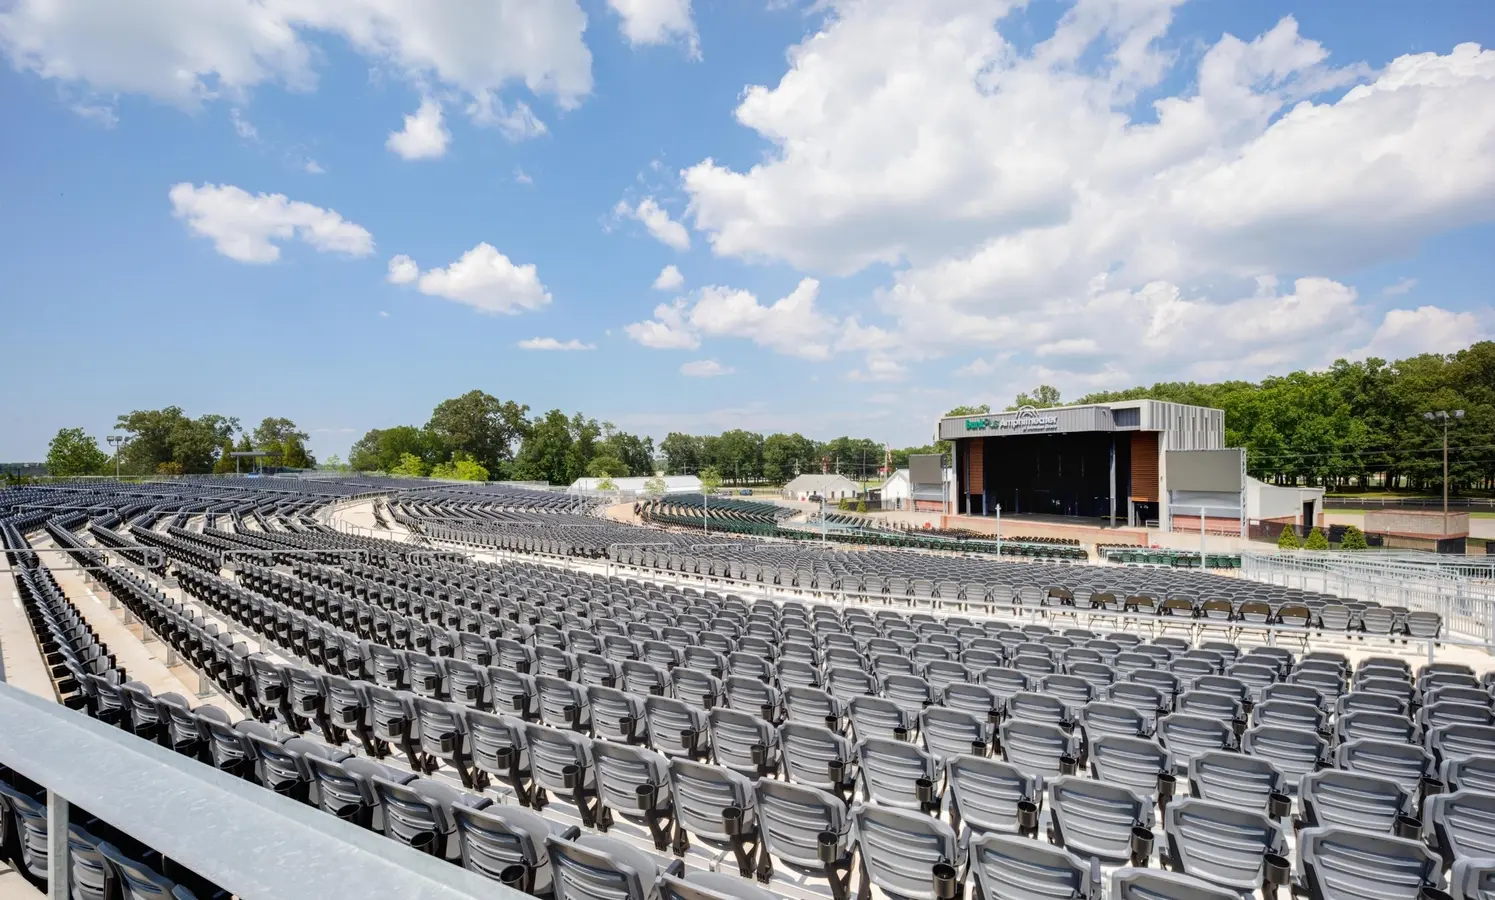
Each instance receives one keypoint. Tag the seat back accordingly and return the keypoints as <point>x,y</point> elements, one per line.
<point>1131,762</point>
<point>1340,864</point>
<point>985,792</point>
<point>899,850</point>
<point>1011,868</point>
<point>598,869</point>
<point>1235,779</point>
<point>1221,844</point>
<point>890,770</point>
<point>791,818</point>
<point>702,791</point>
<point>1092,818</point>
<point>1337,799</point>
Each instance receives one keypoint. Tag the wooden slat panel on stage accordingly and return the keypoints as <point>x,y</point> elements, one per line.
<point>976,465</point>
<point>1145,466</point>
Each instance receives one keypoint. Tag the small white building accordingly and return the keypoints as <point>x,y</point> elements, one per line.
<point>897,491</point>
<point>831,487</point>
<point>635,486</point>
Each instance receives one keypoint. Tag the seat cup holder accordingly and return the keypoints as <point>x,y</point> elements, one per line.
<point>994,716</point>
<point>836,771</point>
<point>924,789</point>
<point>1239,727</point>
<point>1409,827</point>
<point>945,885</point>
<point>978,748</point>
<point>1027,816</point>
<point>1429,892</point>
<point>1279,805</point>
<point>504,757</point>
<point>425,842</point>
<point>350,715</point>
<point>900,733</point>
<point>1276,871</point>
<point>396,727</point>
<point>609,681</point>
<point>515,876</point>
<point>348,812</point>
<point>1167,784</point>
<point>471,691</point>
<point>758,753</point>
<point>833,723</point>
<point>645,795</point>
<point>1067,764</point>
<point>570,776</point>
<point>447,742</point>
<point>1431,786</point>
<point>572,712</point>
<point>627,726</point>
<point>688,739</point>
<point>767,711</point>
<point>732,821</point>
<point>827,847</point>
<point>1142,841</point>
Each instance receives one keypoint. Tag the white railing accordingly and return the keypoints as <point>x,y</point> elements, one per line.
<point>244,838</point>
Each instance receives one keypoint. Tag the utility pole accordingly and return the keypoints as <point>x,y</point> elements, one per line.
<point>1447,418</point>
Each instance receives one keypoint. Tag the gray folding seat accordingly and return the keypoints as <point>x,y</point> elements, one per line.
<point>941,673</point>
<point>1185,736</point>
<point>593,867</point>
<point>908,691</point>
<point>1129,661</point>
<point>1100,717</point>
<point>506,841</point>
<point>1149,702</point>
<point>563,704</point>
<point>1155,884</point>
<point>1374,726</point>
<point>798,673</point>
<point>902,852</point>
<point>1294,752</point>
<point>618,716</point>
<point>677,729</point>
<point>419,814</point>
<point>709,886</point>
<point>553,663</point>
<point>469,684</point>
<point>1405,765</point>
<point>1256,676</point>
<point>1006,683</point>
<point>1037,749</point>
<point>876,717</point>
<point>1461,824</point>
<point>846,683</point>
<point>707,660</point>
<point>977,699</point>
<point>1220,844</point>
<point>900,775</point>
<point>1287,714</point>
<point>1166,683</point>
<point>1400,688</point>
<point>499,752</point>
<point>1213,706</point>
<point>444,737</point>
<point>1010,868</point>
<point>807,831</point>
<point>1134,763</point>
<point>950,732</point>
<point>395,722</point>
<point>387,665</point>
<point>646,678</point>
<point>744,742</point>
<point>1476,773</point>
<point>813,707</point>
<point>1333,798</point>
<point>818,757</point>
<point>1238,780</point>
<point>1074,692</point>
<point>754,697</point>
<point>696,688</point>
<point>1095,819</point>
<point>1340,864</point>
<point>717,806</point>
<point>1450,693</point>
<point>596,670</point>
<point>283,768</point>
<point>635,783</point>
<point>1032,706</point>
<point>1034,666</point>
<point>1329,684</point>
<point>561,763</point>
<point>513,655</point>
<point>1297,693</point>
<point>428,676</point>
<point>1448,713</point>
<point>1472,879</point>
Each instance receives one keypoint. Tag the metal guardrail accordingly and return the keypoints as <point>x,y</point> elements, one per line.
<point>1455,504</point>
<point>248,840</point>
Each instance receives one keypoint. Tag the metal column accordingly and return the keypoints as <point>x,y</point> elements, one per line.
<point>1113,480</point>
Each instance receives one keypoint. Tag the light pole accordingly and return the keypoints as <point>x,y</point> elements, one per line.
<point>1447,418</point>
<point>118,441</point>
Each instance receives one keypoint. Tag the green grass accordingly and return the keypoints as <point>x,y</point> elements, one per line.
<point>1473,514</point>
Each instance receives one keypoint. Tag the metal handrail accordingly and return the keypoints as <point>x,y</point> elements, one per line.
<point>248,840</point>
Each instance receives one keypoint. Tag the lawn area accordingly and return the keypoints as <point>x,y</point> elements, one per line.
<point>1473,514</point>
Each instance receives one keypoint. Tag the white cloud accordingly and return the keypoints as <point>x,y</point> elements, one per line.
<point>879,367</point>
<point>550,343</point>
<point>383,314</point>
<point>1427,329</point>
<point>653,217</point>
<point>891,141</point>
<point>424,136</point>
<point>242,126</point>
<point>705,368</point>
<point>791,325</point>
<point>1404,286</point>
<point>402,270</point>
<point>186,52</point>
<point>248,227</point>
<point>483,278</point>
<point>669,279</point>
<point>517,122</point>
<point>313,167</point>
<point>656,22</point>
<point>668,330</point>
<point>521,177</point>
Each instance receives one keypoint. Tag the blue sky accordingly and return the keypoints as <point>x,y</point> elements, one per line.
<point>922,204</point>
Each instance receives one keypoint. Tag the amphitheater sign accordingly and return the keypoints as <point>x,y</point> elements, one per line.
<point>1026,420</point>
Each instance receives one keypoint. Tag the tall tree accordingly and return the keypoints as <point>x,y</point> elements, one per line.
<point>787,455</point>
<point>73,452</point>
<point>1043,397</point>
<point>159,437</point>
<point>381,449</point>
<point>294,454</point>
<point>225,462</point>
<point>545,454</point>
<point>480,425</point>
<point>682,453</point>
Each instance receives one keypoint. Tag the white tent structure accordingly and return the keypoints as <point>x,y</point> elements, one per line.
<point>673,484</point>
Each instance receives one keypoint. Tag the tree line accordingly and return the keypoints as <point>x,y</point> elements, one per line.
<point>169,442</point>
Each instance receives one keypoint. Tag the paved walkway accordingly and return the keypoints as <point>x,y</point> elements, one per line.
<point>24,666</point>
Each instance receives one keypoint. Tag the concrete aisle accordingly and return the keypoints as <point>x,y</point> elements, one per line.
<point>24,666</point>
